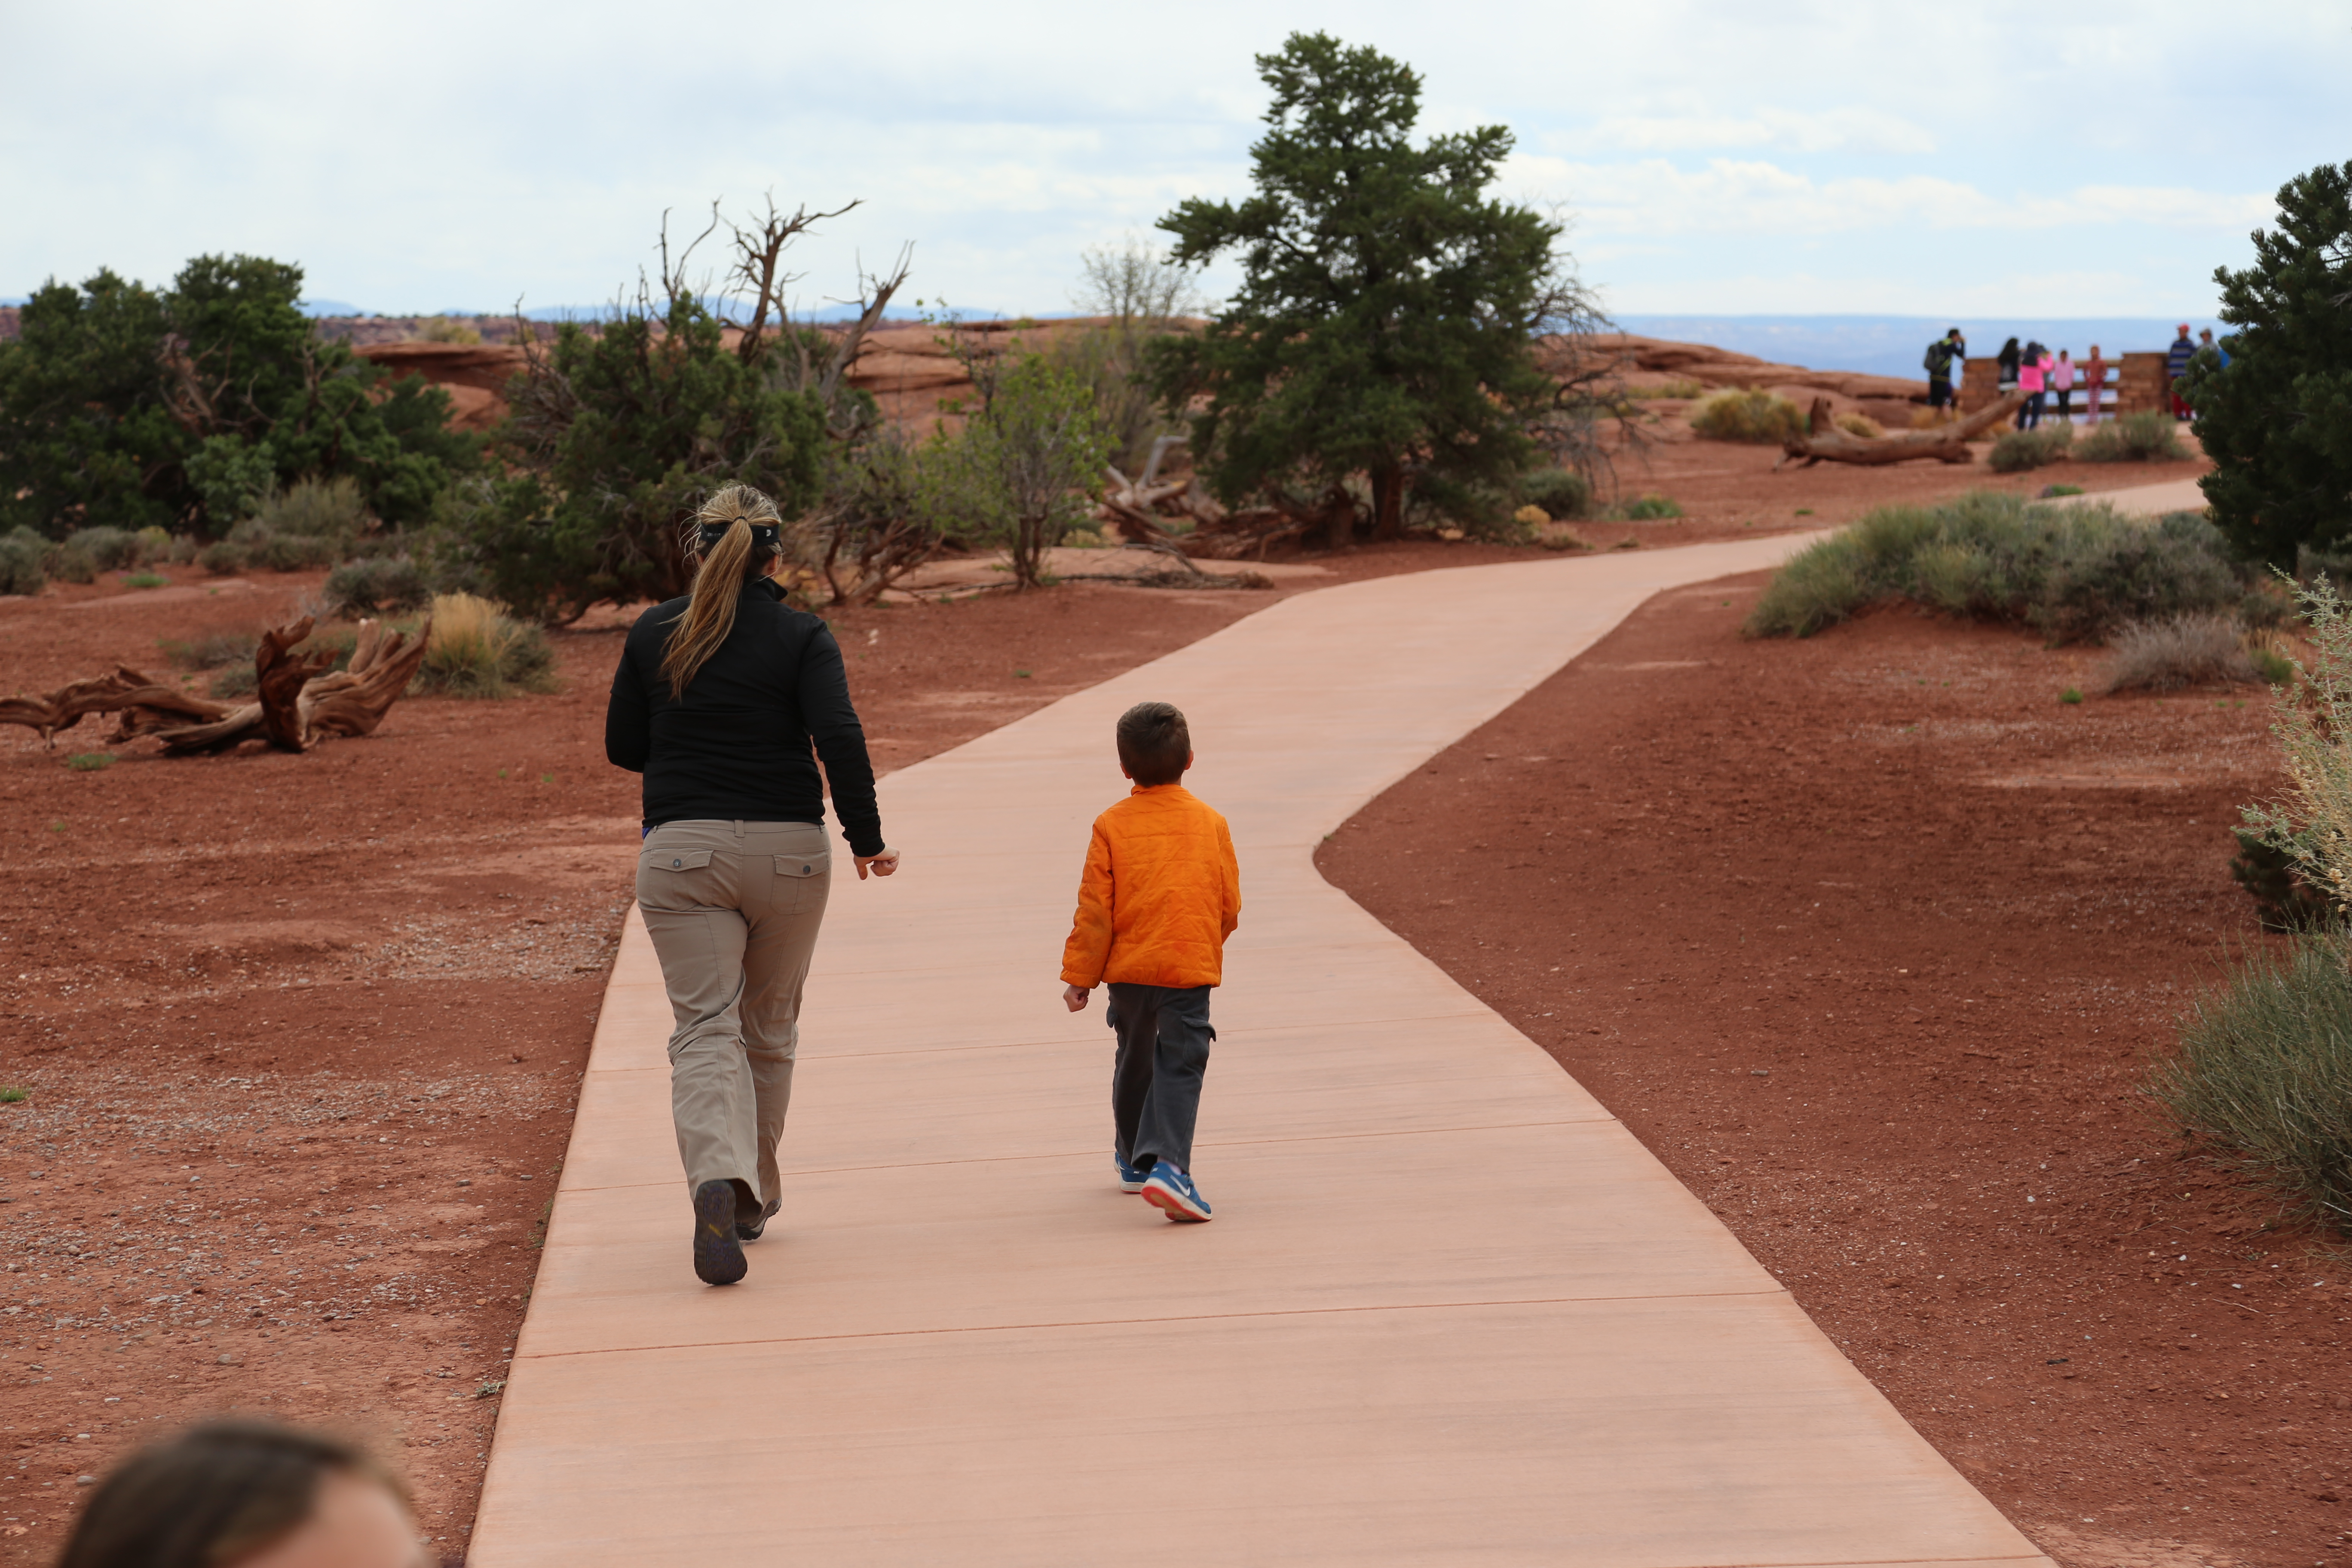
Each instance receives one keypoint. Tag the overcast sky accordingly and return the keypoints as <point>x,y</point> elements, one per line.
<point>1722,158</point>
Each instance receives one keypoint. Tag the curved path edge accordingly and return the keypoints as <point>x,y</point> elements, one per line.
<point>1449,1310</point>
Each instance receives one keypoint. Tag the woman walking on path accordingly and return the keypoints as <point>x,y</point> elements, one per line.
<point>718,700</point>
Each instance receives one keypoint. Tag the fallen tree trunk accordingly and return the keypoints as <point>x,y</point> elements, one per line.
<point>296,703</point>
<point>1823,441</point>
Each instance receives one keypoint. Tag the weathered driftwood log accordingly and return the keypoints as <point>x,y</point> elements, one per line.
<point>296,703</point>
<point>354,700</point>
<point>1822,441</point>
<point>145,705</point>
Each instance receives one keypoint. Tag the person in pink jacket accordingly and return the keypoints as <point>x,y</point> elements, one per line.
<point>2032,375</point>
<point>2062,382</point>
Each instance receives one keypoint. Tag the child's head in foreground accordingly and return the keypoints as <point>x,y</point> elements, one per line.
<point>1154,746</point>
<point>246,1494</point>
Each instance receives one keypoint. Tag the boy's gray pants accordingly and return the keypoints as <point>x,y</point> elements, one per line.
<point>1155,1084</point>
<point>733,910</point>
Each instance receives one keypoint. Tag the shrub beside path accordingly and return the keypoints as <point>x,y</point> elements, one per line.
<point>1449,1309</point>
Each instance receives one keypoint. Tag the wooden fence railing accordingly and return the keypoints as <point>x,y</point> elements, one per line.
<point>2135,382</point>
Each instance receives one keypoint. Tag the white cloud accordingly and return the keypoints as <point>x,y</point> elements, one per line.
<point>1849,130</point>
<point>1729,196</point>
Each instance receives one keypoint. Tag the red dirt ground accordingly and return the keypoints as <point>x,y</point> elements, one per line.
<point>302,1033</point>
<point>1869,939</point>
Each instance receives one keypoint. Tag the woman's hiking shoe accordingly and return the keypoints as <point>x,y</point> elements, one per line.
<point>1130,1180</point>
<point>1172,1191</point>
<point>717,1254</point>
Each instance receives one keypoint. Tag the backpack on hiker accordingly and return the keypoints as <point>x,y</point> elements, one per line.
<point>1940,359</point>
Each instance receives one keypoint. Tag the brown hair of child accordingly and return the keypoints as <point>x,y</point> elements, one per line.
<point>1154,746</point>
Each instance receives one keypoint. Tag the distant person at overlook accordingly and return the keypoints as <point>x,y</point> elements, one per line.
<point>2007,362</point>
<point>2062,382</point>
<point>2095,377</point>
<point>718,700</point>
<point>1944,356</point>
<point>2032,375</point>
<point>2176,365</point>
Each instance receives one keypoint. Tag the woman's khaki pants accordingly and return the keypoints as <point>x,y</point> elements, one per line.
<point>733,908</point>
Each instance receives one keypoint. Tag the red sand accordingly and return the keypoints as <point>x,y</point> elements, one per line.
<point>1870,939</point>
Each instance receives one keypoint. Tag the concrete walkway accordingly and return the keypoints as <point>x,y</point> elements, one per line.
<point>1449,1310</point>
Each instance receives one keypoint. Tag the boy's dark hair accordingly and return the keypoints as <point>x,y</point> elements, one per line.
<point>1153,743</point>
<point>216,1493</point>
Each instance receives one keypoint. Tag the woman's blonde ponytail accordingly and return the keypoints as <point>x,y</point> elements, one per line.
<point>723,569</point>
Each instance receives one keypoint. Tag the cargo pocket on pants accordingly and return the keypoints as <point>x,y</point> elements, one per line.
<point>796,878</point>
<point>667,878</point>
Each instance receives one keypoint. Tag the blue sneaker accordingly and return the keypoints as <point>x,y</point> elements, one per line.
<point>1172,1191</point>
<point>1130,1180</point>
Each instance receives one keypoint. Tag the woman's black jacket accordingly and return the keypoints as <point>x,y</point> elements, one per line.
<point>736,748</point>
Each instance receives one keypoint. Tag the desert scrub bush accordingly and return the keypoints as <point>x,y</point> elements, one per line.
<point>1649,508</point>
<point>476,649</point>
<point>109,548</point>
<point>223,557</point>
<point>2070,572</point>
<point>23,561</point>
<point>2015,451</point>
<point>1677,389</point>
<point>1862,425</point>
<point>1752,416</point>
<point>372,587</point>
<point>2179,650</point>
<point>2148,437</point>
<point>1562,492</point>
<point>2264,1074</point>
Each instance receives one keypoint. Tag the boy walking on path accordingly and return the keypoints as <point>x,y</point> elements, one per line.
<point>1160,895</point>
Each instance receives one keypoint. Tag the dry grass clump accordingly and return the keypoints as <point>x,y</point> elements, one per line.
<point>1862,425</point>
<point>2179,650</point>
<point>2265,1073</point>
<point>476,649</point>
<point>1754,416</point>
<point>1676,388</point>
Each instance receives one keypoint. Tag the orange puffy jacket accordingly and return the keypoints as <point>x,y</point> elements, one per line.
<point>1161,893</point>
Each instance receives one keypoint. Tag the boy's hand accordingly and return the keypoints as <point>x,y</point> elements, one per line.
<point>881,865</point>
<point>1075,998</point>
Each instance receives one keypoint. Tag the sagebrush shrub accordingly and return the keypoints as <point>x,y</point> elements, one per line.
<point>2148,437</point>
<point>2265,1073</point>
<point>1751,415</point>
<point>2015,451</point>
<point>2179,650</point>
<point>111,549</point>
<point>1562,492</point>
<point>2073,571</point>
<point>372,587</point>
<point>22,557</point>
<point>1862,425</point>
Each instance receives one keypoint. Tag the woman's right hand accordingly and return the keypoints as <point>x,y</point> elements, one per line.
<point>882,864</point>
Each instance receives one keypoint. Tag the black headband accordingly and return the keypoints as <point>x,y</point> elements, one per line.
<point>765,535</point>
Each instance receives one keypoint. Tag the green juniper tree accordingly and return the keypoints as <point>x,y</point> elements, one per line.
<point>123,406</point>
<point>2277,420</point>
<point>1385,322</point>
